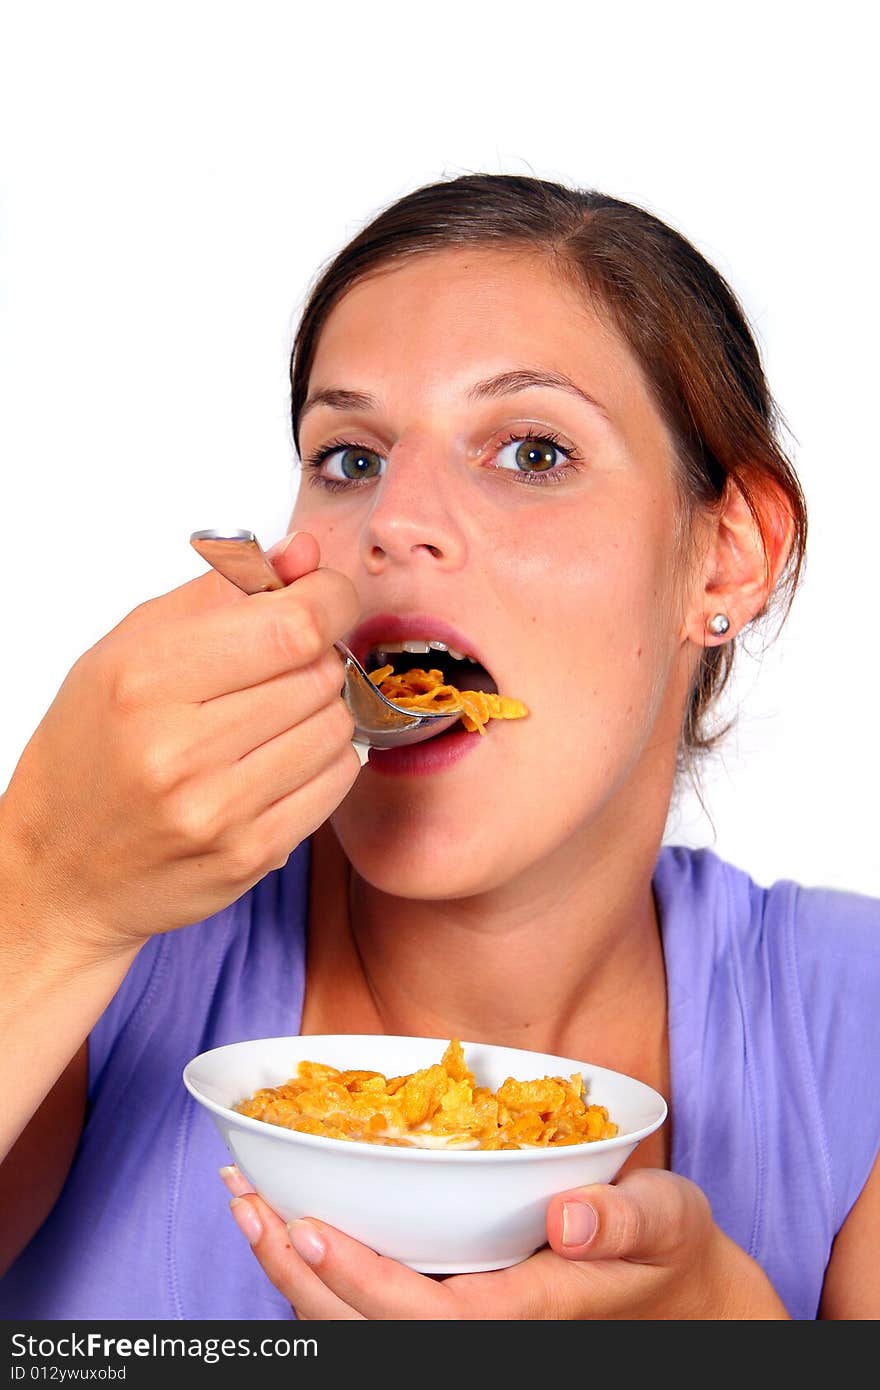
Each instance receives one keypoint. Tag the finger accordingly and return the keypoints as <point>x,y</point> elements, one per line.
<point>267,1236</point>
<point>375,1287</point>
<point>236,1182</point>
<point>239,645</point>
<point>646,1217</point>
<point>275,833</point>
<point>280,766</point>
<point>233,725</point>
<point>541,1288</point>
<point>295,555</point>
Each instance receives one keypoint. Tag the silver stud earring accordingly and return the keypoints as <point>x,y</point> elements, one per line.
<point>719,624</point>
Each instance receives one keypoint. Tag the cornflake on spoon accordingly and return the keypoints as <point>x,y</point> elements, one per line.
<point>427,690</point>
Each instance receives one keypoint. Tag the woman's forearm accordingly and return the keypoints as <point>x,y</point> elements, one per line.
<point>53,991</point>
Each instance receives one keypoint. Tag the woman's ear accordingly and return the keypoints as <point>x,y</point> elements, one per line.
<point>749,542</point>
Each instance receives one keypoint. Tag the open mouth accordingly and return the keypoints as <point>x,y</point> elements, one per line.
<point>459,669</point>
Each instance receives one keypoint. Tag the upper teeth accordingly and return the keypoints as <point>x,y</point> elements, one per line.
<point>421,647</point>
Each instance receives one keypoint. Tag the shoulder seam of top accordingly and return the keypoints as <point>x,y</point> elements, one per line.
<point>805,1051</point>
<point>174,1288</point>
<point>734,946</point>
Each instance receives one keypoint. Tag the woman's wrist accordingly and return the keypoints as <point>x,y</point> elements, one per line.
<point>37,925</point>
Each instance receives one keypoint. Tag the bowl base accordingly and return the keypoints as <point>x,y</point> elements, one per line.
<point>463,1267</point>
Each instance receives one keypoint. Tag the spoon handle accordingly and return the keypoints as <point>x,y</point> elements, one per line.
<point>239,557</point>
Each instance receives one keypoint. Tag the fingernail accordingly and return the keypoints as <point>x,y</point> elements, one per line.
<point>286,541</point>
<point>579,1223</point>
<point>306,1242</point>
<point>246,1219</point>
<point>235,1180</point>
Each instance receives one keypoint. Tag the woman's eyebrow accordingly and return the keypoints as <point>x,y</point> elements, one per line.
<point>504,384</point>
<point>339,399</point>
<point>508,383</point>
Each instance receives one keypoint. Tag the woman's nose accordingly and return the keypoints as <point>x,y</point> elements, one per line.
<point>416,513</point>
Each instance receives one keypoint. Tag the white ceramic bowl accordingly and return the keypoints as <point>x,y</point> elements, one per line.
<point>438,1211</point>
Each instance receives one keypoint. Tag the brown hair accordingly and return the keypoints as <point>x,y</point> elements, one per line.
<point>676,312</point>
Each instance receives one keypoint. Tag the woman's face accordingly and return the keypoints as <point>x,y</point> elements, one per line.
<point>555,560</point>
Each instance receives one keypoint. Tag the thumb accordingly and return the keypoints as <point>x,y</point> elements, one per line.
<point>645,1217</point>
<point>295,555</point>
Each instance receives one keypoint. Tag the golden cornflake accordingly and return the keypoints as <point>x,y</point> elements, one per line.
<point>427,691</point>
<point>439,1106</point>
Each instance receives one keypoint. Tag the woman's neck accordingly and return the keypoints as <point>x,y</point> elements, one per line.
<point>567,961</point>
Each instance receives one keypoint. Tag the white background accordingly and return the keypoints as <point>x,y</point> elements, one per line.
<point>174,174</point>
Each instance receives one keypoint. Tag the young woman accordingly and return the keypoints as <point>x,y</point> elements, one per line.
<point>534,428</point>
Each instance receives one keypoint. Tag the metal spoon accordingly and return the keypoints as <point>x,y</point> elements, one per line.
<point>379,723</point>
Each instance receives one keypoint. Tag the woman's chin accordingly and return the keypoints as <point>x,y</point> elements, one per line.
<point>413,863</point>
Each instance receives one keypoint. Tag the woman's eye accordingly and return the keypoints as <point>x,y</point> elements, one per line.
<point>531,455</point>
<point>352,464</point>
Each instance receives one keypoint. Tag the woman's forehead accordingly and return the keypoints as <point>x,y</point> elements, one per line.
<point>470,312</point>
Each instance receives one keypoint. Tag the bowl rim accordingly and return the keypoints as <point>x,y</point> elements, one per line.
<point>361,1148</point>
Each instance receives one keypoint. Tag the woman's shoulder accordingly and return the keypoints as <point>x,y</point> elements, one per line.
<point>821,943</point>
<point>801,961</point>
<point>827,928</point>
<point>778,985</point>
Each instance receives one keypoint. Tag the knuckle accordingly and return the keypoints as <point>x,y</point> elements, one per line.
<point>240,865</point>
<point>548,1296</point>
<point>346,603</point>
<point>340,774</point>
<point>246,860</point>
<point>194,825</point>
<point>158,768</point>
<point>693,1209</point>
<point>129,683</point>
<point>684,1199</point>
<point>327,677</point>
<point>278,858</point>
<point>295,635</point>
<point>336,600</point>
<point>341,721</point>
<point>271,852</point>
<point>467,1298</point>
<point>345,773</point>
<point>628,1227</point>
<point>92,677</point>
<point>140,614</point>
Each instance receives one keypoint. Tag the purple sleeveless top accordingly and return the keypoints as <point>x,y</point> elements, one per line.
<point>774,1032</point>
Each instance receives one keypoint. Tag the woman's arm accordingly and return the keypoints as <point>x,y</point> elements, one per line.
<point>52,995</point>
<point>852,1280</point>
<point>37,1165</point>
<point>54,990</point>
<point>184,756</point>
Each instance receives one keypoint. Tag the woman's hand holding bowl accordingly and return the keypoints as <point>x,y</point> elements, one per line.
<point>645,1247</point>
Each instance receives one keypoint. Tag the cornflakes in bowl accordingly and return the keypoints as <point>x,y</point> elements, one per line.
<point>440,1106</point>
<point>443,1207</point>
